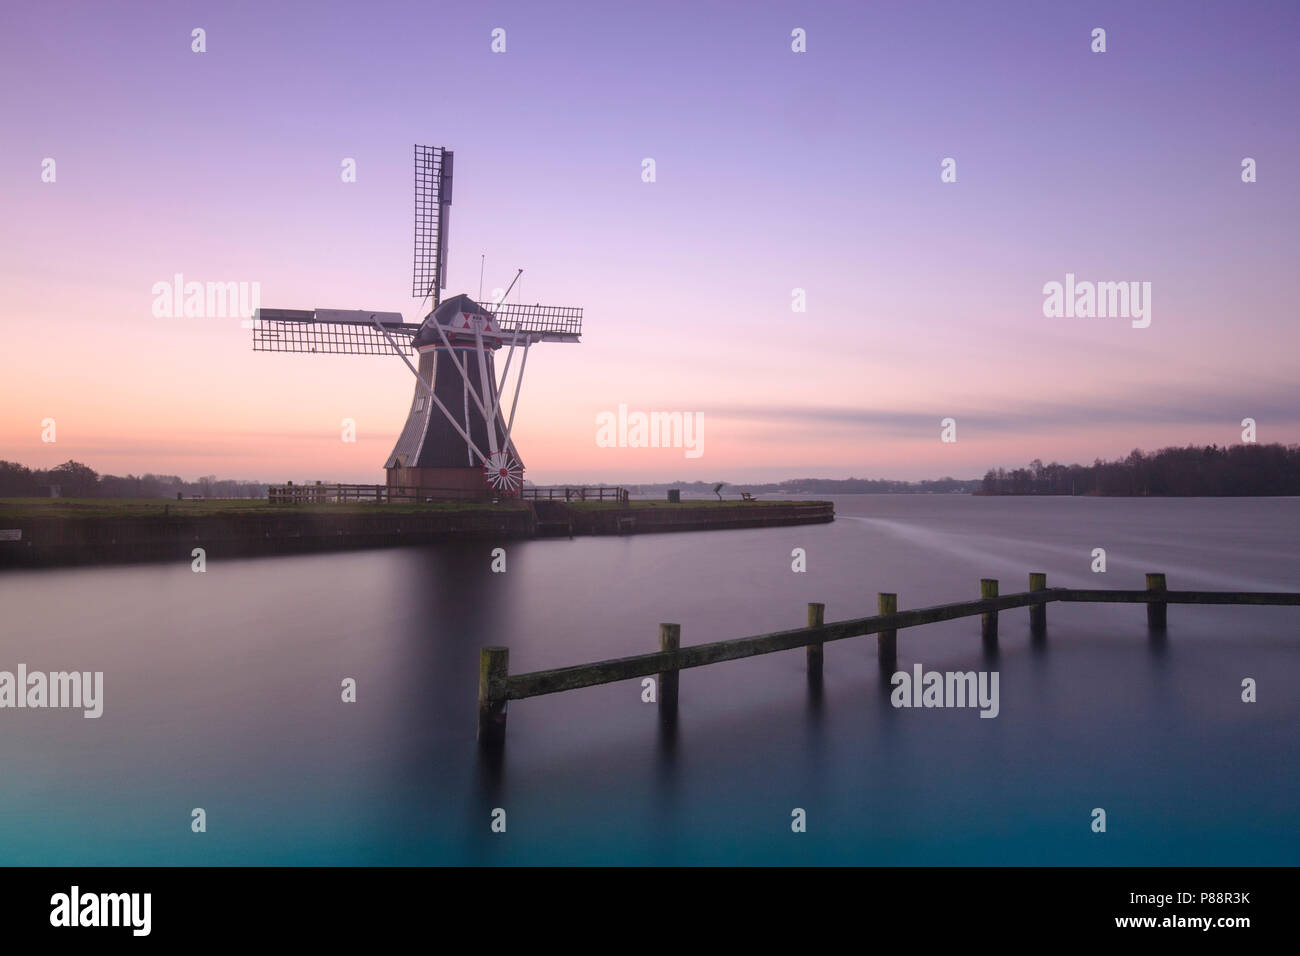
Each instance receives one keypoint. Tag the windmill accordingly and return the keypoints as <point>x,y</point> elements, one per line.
<point>457,437</point>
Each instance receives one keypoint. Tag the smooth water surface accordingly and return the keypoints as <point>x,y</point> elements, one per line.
<point>222,691</point>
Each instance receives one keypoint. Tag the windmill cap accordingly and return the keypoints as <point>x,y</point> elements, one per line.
<point>444,315</point>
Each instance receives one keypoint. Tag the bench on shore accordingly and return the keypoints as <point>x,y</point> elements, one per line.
<point>746,496</point>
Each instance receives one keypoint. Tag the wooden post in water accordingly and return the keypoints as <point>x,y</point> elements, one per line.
<point>670,639</point>
<point>1156,610</point>
<point>989,619</point>
<point>887,641</point>
<point>816,618</point>
<point>493,669</point>
<point>1037,612</point>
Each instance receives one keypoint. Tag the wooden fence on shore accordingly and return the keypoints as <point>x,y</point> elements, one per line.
<point>615,494</point>
<point>335,493</point>
<point>497,686</point>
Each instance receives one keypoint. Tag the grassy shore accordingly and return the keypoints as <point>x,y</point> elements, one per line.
<point>156,507</point>
<point>15,508</point>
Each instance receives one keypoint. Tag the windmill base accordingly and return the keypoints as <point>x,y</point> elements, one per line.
<point>438,482</point>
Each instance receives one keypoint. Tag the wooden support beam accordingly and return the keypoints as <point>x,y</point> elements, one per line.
<point>1037,612</point>
<point>670,641</point>
<point>493,678</point>
<point>1157,610</point>
<point>989,619</point>
<point>816,618</point>
<point>887,641</point>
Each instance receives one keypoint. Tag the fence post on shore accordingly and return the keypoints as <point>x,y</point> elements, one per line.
<point>493,670</point>
<point>816,618</point>
<point>670,640</point>
<point>887,641</point>
<point>1156,610</point>
<point>1037,612</point>
<point>989,619</point>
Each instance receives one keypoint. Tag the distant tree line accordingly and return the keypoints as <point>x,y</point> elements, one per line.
<point>1243,470</point>
<point>1210,471</point>
<point>75,480</point>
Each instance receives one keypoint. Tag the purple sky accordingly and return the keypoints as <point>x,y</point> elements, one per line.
<point>775,171</point>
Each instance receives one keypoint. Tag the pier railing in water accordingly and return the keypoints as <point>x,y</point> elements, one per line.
<point>497,686</point>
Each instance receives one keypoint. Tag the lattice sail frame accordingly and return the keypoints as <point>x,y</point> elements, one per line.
<point>545,320</point>
<point>358,332</point>
<point>302,330</point>
<point>433,181</point>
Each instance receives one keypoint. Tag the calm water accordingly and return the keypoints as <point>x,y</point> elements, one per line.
<point>222,691</point>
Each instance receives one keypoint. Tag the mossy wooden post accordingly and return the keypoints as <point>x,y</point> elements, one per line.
<point>816,618</point>
<point>989,619</point>
<point>887,641</point>
<point>670,639</point>
<point>493,670</point>
<point>1037,612</point>
<point>1156,610</point>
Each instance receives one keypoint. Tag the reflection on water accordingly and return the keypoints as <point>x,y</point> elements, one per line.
<point>223,691</point>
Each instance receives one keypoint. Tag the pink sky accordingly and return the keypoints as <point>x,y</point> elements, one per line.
<point>775,170</point>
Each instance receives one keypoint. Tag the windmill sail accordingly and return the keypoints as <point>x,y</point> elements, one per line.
<point>540,323</point>
<point>329,331</point>
<point>433,168</point>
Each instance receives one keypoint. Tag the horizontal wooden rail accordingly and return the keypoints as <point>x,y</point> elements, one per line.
<point>537,683</point>
<point>336,493</point>
<point>497,686</point>
<point>321,493</point>
<point>1279,598</point>
<point>577,493</point>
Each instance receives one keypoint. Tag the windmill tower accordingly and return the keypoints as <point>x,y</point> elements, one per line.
<point>457,440</point>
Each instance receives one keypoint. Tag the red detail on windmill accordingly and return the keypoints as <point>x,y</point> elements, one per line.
<point>503,473</point>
